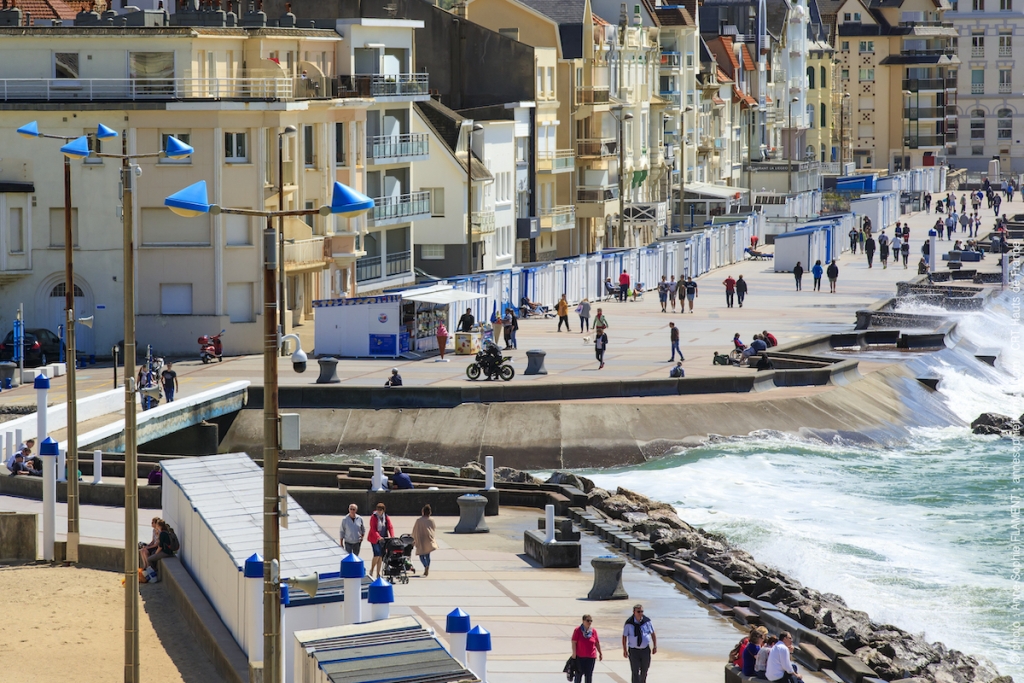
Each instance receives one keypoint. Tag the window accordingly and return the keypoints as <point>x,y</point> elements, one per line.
<point>844,74</point>
<point>239,302</point>
<point>432,252</point>
<point>846,46</point>
<point>866,75</point>
<point>823,83</point>
<point>65,65</point>
<point>810,78</point>
<point>236,148</point>
<point>865,130</point>
<point>57,227</point>
<point>1005,45</point>
<point>1005,79</point>
<point>522,150</point>
<point>95,146</point>
<point>978,124</point>
<point>237,231</point>
<point>152,73</point>
<point>810,116</point>
<point>1004,124</point>
<point>856,16</point>
<point>846,16</point>
<point>551,82</point>
<point>436,202</point>
<point>824,118</point>
<point>978,5</point>
<point>978,45</point>
<point>15,232</point>
<point>339,144</point>
<point>540,82</point>
<point>308,147</point>
<point>867,46</point>
<point>185,137</point>
<point>977,81</point>
<point>1005,5</point>
<point>977,151</point>
<point>176,299</point>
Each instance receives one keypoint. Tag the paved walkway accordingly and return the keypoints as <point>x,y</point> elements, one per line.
<point>638,332</point>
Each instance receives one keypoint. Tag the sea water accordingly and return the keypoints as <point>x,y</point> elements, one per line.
<point>922,534</point>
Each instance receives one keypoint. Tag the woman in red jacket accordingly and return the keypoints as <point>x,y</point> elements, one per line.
<point>380,529</point>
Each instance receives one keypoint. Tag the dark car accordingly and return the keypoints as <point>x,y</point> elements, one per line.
<point>40,344</point>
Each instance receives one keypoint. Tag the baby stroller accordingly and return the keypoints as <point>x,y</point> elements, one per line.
<point>397,559</point>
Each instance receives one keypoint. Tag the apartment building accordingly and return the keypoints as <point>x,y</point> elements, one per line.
<point>989,36</point>
<point>899,66</point>
<point>820,78</point>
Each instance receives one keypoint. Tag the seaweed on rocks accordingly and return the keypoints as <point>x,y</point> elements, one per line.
<point>891,652</point>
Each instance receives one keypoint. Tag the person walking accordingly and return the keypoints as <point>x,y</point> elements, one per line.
<point>442,341</point>
<point>741,290</point>
<point>927,202</point>
<point>730,290</point>
<point>833,275</point>
<point>169,378</point>
<point>663,293</point>
<point>562,308</point>
<point>423,541</point>
<point>639,643</point>
<point>798,275</point>
<point>950,225</point>
<point>869,250</point>
<point>506,327</point>
<point>353,531</point>
<point>584,310</point>
<point>600,322</point>
<point>380,530</point>
<point>673,337</point>
<point>691,291</point>
<point>854,239</point>
<point>816,273</point>
<point>905,251</point>
<point>623,285</point>
<point>600,344</point>
<point>964,220</point>
<point>883,249</point>
<point>673,288</point>
<point>586,650</point>
<point>497,327</point>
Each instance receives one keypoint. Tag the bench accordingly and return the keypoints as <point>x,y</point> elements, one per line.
<point>811,657</point>
<point>853,670</point>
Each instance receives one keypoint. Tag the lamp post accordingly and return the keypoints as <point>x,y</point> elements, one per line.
<point>792,143</point>
<point>683,166</point>
<point>469,196</point>
<point>189,203</point>
<point>622,118</point>
<point>904,130</point>
<point>288,130</point>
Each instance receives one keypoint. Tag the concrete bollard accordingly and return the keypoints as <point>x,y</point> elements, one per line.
<point>62,465</point>
<point>380,596</point>
<point>97,467</point>
<point>489,473</point>
<point>471,514</point>
<point>608,578</point>
<point>42,386</point>
<point>9,452</point>
<point>932,249</point>
<point>17,439</point>
<point>457,627</point>
<point>549,523</point>
<point>478,644</point>
<point>48,450</point>
<point>378,473</point>
<point>253,573</point>
<point>352,573</point>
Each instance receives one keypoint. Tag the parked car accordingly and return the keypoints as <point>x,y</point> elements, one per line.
<point>41,347</point>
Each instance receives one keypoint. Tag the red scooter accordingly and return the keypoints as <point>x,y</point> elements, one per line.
<point>210,348</point>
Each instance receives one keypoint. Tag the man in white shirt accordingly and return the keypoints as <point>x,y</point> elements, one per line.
<point>780,666</point>
<point>639,642</point>
<point>352,530</point>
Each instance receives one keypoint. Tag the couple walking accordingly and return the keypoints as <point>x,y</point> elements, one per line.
<point>639,642</point>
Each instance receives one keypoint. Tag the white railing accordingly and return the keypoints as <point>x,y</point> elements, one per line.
<point>483,222</point>
<point>131,89</point>
<point>557,218</point>
<point>653,214</point>
<point>402,145</point>
<point>304,251</point>
<point>558,160</point>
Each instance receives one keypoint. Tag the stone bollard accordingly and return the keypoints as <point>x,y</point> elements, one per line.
<point>328,371</point>
<point>457,625</point>
<point>471,515</point>
<point>535,362</point>
<point>608,578</point>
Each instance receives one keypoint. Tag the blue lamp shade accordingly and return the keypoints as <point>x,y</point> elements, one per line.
<point>349,202</point>
<point>176,149</point>
<point>352,567</point>
<point>77,148</point>
<point>380,592</point>
<point>190,202</point>
<point>253,566</point>
<point>41,382</point>
<point>478,640</point>
<point>457,622</point>
<point>29,130</point>
<point>103,132</point>
<point>49,447</point>
<point>286,594</point>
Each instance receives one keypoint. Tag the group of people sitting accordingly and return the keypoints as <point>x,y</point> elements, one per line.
<point>22,462</point>
<point>762,342</point>
<point>163,544</point>
<point>767,657</point>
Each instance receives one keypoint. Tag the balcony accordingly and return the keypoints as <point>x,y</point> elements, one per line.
<point>673,96</point>
<point>918,141</point>
<point>558,161</point>
<point>399,263</point>
<point>162,89</point>
<point>593,194</point>
<point>483,222</point>
<point>399,208</point>
<point>977,88</point>
<point>926,84</point>
<point>557,218</point>
<point>593,94</point>
<point>646,215</point>
<point>950,84</point>
<point>670,59</point>
<point>1004,88</point>
<point>924,113</point>
<point>304,254</point>
<point>368,268</point>
<point>597,147</point>
<point>394,148</point>
<point>1005,51</point>
<point>384,85</point>
<point>374,267</point>
<point>978,51</point>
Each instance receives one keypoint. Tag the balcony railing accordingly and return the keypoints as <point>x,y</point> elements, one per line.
<point>649,214</point>
<point>400,206</point>
<point>399,263</point>
<point>558,218</point>
<point>593,94</point>
<point>591,194</point>
<point>977,88</point>
<point>483,222</point>
<point>916,141</point>
<point>392,146</point>
<point>135,89</point>
<point>1004,88</point>
<point>382,85</point>
<point>670,59</point>
<point>304,251</point>
<point>368,268</point>
<point>917,113</point>
<point>919,84</point>
<point>597,147</point>
<point>978,51</point>
<point>555,162</point>
<point>1005,51</point>
<point>673,96</point>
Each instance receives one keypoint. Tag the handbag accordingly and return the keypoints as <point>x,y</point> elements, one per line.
<point>570,669</point>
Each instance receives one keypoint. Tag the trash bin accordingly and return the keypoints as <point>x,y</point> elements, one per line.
<point>9,375</point>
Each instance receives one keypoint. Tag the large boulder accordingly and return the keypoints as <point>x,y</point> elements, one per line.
<point>472,470</point>
<point>643,502</point>
<point>996,423</point>
<point>669,517</point>
<point>512,475</point>
<point>596,497</point>
<point>618,505</point>
<point>566,479</point>
<point>666,540</point>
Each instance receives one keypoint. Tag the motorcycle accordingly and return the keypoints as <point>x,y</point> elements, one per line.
<point>491,363</point>
<point>210,348</point>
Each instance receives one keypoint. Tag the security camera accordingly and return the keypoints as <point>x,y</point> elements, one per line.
<point>299,358</point>
<point>138,171</point>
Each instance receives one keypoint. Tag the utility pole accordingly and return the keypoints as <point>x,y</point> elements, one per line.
<point>71,553</point>
<point>272,655</point>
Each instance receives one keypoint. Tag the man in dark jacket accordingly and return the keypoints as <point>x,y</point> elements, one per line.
<point>833,275</point>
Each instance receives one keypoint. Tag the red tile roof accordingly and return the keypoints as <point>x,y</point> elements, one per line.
<point>723,77</point>
<point>598,21</point>
<point>46,9</point>
<point>748,60</point>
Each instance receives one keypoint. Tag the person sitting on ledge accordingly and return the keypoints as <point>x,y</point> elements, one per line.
<point>400,480</point>
<point>750,652</point>
<point>677,371</point>
<point>757,346</point>
<point>769,338</point>
<point>395,380</point>
<point>156,476</point>
<point>19,467</point>
<point>762,657</point>
<point>780,667</point>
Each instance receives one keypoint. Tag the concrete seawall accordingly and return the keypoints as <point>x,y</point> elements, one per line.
<point>603,433</point>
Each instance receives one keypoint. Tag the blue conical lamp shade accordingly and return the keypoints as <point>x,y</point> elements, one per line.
<point>77,148</point>
<point>103,132</point>
<point>190,202</point>
<point>29,130</point>
<point>349,202</point>
<point>176,149</point>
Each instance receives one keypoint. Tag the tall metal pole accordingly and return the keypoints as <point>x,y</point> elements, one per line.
<point>71,356</point>
<point>131,467</point>
<point>622,192</point>
<point>271,532</point>
<point>469,202</point>
<point>280,230</point>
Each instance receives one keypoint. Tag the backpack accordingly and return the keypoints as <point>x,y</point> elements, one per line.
<point>175,545</point>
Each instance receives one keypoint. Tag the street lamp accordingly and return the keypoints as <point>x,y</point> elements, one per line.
<point>682,166</point>
<point>842,129</point>
<point>469,196</point>
<point>792,144</point>
<point>904,130</point>
<point>622,118</point>
<point>189,203</point>
<point>288,130</point>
